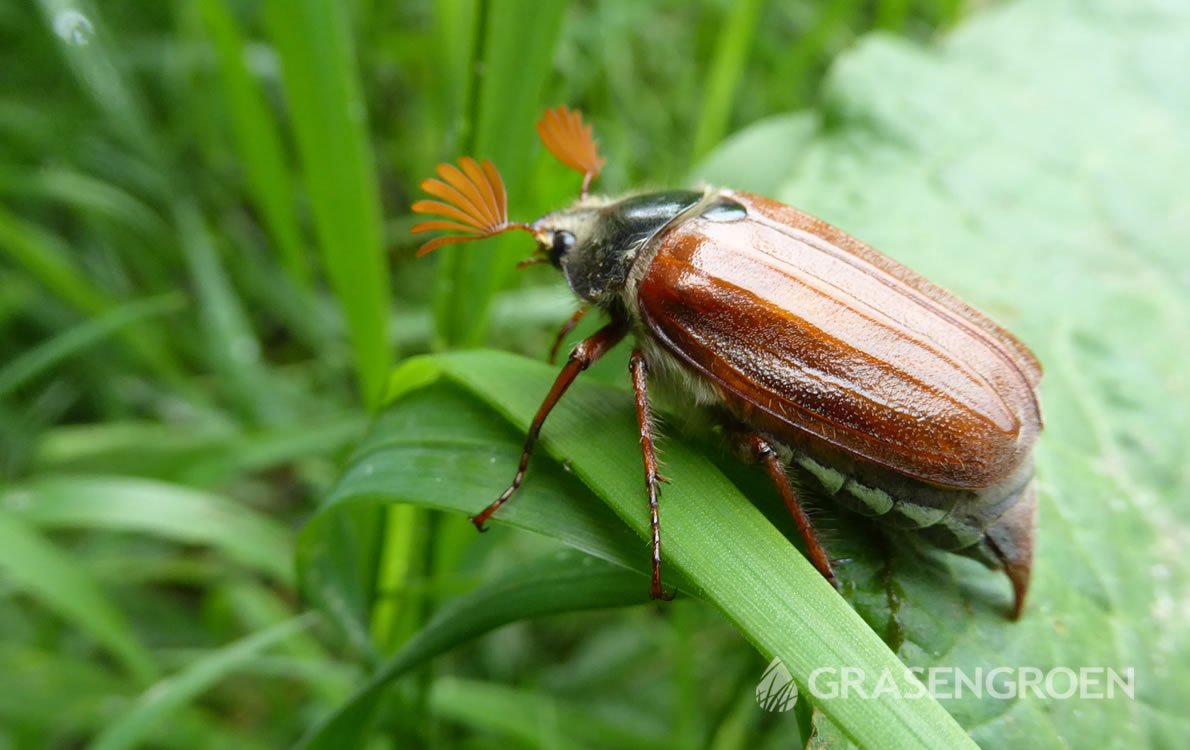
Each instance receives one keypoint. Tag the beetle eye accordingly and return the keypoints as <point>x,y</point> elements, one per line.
<point>563,242</point>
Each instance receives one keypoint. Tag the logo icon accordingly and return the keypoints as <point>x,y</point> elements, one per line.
<point>776,690</point>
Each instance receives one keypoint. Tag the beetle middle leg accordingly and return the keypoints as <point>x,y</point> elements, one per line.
<point>639,367</point>
<point>588,351</point>
<point>766,455</point>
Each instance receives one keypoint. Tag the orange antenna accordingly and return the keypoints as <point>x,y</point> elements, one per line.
<point>570,140</point>
<point>472,196</point>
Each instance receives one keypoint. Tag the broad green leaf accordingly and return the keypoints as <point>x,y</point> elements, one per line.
<point>730,554</point>
<point>760,158</point>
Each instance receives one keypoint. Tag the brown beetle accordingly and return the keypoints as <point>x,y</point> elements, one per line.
<point>900,401</point>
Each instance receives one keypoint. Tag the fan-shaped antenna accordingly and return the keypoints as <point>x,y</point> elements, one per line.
<point>472,200</point>
<point>569,139</point>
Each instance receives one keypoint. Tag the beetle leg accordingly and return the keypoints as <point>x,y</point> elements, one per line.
<point>768,457</point>
<point>584,355</point>
<point>639,367</point>
<point>567,327</point>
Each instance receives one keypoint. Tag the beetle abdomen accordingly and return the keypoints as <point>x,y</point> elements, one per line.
<point>817,338</point>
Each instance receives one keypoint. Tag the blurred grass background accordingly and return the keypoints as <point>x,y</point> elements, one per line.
<point>205,278</point>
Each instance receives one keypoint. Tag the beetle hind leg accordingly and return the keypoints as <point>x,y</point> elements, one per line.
<point>760,448</point>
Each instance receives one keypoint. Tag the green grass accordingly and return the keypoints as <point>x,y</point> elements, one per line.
<point>206,279</point>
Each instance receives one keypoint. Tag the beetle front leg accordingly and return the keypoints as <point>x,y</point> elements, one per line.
<point>639,367</point>
<point>588,351</point>
<point>759,447</point>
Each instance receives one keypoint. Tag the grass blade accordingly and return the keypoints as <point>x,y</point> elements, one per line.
<point>165,510</point>
<point>231,341</point>
<point>329,119</point>
<point>47,259</point>
<point>560,583</point>
<point>174,692</point>
<point>47,355</point>
<point>258,144</point>
<point>32,563</point>
<point>726,69</point>
<point>518,41</point>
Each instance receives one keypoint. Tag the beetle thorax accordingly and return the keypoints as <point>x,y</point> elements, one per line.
<point>596,242</point>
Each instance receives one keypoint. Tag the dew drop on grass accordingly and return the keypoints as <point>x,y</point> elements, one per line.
<point>73,27</point>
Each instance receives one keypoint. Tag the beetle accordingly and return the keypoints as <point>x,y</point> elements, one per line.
<point>818,353</point>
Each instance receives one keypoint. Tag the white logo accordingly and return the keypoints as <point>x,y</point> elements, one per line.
<point>776,690</point>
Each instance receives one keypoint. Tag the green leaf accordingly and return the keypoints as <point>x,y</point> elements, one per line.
<point>730,554</point>
<point>1045,189</point>
<point>761,157</point>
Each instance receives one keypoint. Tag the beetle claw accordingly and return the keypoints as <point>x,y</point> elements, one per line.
<point>661,595</point>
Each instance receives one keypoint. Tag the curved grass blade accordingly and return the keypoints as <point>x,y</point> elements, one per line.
<point>174,692</point>
<point>166,510</point>
<point>46,355</point>
<point>32,563</point>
